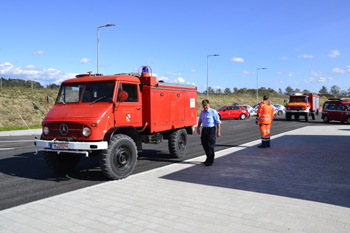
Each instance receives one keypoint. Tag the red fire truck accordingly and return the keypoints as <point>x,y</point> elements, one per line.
<point>111,116</point>
<point>305,105</point>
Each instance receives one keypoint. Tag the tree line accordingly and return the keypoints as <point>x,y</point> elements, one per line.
<point>335,91</point>
<point>24,83</point>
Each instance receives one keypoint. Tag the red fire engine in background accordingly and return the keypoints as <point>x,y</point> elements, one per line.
<point>305,105</point>
<point>111,116</point>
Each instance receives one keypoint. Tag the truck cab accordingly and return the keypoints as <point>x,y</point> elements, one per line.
<point>302,104</point>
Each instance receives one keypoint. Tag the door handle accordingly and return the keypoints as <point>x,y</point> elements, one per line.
<point>138,108</point>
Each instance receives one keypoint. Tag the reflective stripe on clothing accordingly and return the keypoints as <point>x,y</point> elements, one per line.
<point>265,130</point>
<point>265,112</point>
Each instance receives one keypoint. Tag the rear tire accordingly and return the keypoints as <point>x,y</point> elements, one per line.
<point>306,117</point>
<point>348,120</point>
<point>177,143</point>
<point>326,119</point>
<point>119,160</point>
<point>280,112</point>
<point>243,116</point>
<point>61,163</point>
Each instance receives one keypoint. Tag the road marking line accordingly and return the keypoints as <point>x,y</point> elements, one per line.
<point>32,140</point>
<point>7,148</point>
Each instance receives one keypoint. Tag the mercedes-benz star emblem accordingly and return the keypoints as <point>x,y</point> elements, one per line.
<point>64,129</point>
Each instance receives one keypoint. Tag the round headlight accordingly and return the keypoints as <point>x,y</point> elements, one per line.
<point>86,131</point>
<point>46,130</point>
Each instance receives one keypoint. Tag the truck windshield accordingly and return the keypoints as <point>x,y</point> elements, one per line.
<point>298,99</point>
<point>98,92</point>
<point>69,93</point>
<point>88,93</point>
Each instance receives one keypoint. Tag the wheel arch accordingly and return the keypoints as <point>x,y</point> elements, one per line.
<point>127,130</point>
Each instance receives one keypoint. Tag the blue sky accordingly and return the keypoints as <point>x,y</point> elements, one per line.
<point>303,43</point>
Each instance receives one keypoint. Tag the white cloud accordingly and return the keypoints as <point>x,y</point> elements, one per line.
<point>284,58</point>
<point>338,71</point>
<point>218,87</point>
<point>324,79</point>
<point>305,56</point>
<point>279,73</point>
<point>85,60</point>
<point>315,74</point>
<point>348,68</point>
<point>31,72</point>
<point>334,53</point>
<point>193,71</point>
<point>180,80</point>
<point>40,52</point>
<point>245,73</point>
<point>237,59</point>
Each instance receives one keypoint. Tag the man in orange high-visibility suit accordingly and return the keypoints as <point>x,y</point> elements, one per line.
<point>264,118</point>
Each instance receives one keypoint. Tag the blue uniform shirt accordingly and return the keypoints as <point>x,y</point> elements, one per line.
<point>209,118</point>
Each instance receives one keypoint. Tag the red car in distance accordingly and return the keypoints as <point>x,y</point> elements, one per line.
<point>233,111</point>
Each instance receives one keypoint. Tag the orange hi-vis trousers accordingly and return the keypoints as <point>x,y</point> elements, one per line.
<point>265,131</point>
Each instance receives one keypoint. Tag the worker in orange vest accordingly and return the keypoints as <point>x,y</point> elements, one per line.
<point>264,118</point>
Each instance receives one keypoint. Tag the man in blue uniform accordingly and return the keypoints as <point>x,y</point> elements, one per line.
<point>209,119</point>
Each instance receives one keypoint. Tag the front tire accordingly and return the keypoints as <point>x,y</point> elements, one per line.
<point>61,163</point>
<point>306,117</point>
<point>119,160</point>
<point>348,120</point>
<point>177,143</point>
<point>288,116</point>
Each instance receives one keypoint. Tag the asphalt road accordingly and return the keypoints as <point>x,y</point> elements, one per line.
<point>24,177</point>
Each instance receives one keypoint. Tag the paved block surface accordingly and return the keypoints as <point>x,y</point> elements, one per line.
<point>300,184</point>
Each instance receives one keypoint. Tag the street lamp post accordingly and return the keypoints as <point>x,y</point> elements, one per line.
<point>98,40</point>
<point>257,82</point>
<point>214,55</point>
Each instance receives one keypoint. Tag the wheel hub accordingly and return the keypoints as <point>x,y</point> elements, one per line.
<point>122,157</point>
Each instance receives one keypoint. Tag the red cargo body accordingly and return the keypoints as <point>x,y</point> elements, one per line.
<point>169,106</point>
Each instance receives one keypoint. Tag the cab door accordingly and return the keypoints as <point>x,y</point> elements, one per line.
<point>340,113</point>
<point>128,112</point>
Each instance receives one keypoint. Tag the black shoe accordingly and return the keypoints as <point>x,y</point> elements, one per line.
<point>262,146</point>
<point>207,164</point>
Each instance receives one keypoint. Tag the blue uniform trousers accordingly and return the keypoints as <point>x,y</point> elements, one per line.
<point>208,139</point>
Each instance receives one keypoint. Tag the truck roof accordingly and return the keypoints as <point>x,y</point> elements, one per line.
<point>100,78</point>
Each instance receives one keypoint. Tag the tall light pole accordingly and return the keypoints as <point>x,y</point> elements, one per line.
<point>98,39</point>
<point>214,55</point>
<point>257,82</point>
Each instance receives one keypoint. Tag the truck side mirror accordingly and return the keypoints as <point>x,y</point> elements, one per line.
<point>123,95</point>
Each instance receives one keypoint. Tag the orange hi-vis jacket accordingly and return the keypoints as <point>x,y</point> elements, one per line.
<point>265,112</point>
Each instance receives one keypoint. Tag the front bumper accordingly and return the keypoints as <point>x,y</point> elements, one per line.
<point>69,147</point>
<point>297,111</point>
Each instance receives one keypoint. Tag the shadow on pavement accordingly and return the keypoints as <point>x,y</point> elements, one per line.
<point>313,168</point>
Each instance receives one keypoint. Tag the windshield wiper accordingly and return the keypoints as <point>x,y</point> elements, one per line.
<point>98,99</point>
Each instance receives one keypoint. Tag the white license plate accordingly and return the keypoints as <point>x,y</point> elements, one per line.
<point>59,146</point>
